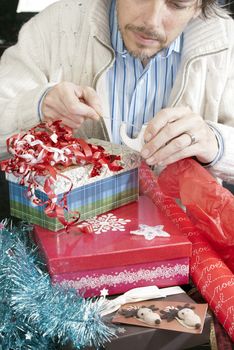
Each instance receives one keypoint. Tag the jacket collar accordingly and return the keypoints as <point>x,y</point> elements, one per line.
<point>99,20</point>
<point>204,36</point>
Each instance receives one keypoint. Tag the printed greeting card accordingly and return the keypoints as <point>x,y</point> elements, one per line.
<point>171,315</point>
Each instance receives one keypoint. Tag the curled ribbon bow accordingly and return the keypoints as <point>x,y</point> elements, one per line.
<point>43,151</point>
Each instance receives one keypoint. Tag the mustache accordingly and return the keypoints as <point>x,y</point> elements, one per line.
<point>148,32</point>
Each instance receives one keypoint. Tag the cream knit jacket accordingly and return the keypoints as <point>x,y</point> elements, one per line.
<point>70,41</point>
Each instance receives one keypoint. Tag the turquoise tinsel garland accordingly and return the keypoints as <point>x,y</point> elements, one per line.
<point>34,314</point>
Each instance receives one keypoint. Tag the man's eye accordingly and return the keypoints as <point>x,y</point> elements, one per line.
<point>177,5</point>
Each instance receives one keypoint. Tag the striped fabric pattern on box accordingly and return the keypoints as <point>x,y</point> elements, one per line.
<point>89,200</point>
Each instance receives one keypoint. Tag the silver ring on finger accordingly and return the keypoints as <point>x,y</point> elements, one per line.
<point>192,138</point>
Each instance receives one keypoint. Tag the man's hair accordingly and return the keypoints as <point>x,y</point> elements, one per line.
<point>210,8</point>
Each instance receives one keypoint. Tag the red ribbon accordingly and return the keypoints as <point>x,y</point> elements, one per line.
<point>42,151</point>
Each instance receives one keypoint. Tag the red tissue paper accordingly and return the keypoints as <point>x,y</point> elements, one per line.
<point>210,206</point>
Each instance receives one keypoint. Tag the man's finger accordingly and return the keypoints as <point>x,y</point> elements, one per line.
<point>83,110</point>
<point>92,99</point>
<point>89,96</point>
<point>179,145</point>
<point>76,107</point>
<point>162,118</point>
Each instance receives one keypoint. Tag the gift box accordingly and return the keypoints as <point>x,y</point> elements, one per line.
<point>115,258</point>
<point>88,197</point>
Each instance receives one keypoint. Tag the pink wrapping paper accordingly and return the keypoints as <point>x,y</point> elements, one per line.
<point>210,274</point>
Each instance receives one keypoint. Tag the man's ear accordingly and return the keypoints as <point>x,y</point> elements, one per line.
<point>198,9</point>
<point>197,13</point>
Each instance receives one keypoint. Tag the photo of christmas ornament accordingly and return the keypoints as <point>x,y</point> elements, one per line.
<point>145,314</point>
<point>185,315</point>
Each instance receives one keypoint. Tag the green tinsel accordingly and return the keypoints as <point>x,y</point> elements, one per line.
<point>36,315</point>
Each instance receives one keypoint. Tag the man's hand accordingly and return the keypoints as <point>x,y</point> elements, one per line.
<point>177,133</point>
<point>71,103</point>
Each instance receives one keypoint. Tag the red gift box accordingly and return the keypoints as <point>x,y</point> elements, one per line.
<point>114,259</point>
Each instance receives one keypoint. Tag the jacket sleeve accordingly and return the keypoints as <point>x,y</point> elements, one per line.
<point>23,80</point>
<point>224,168</point>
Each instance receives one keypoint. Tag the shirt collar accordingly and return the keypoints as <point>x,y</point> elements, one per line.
<point>118,44</point>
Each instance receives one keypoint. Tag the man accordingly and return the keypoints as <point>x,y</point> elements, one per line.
<point>96,63</point>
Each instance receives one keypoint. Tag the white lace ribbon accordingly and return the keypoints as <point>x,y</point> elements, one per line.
<point>138,294</point>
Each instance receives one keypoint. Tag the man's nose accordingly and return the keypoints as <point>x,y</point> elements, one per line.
<point>154,13</point>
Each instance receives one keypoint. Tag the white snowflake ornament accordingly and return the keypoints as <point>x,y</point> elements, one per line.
<point>107,222</point>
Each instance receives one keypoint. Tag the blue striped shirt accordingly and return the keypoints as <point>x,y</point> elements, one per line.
<point>137,93</point>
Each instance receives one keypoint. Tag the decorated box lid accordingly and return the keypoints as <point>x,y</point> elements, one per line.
<point>132,234</point>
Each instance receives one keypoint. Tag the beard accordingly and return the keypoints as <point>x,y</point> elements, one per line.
<point>141,51</point>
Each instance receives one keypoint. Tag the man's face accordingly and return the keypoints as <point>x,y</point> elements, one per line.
<point>148,26</point>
